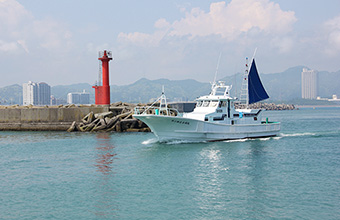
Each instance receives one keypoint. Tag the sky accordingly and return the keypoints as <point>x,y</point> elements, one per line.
<point>57,42</point>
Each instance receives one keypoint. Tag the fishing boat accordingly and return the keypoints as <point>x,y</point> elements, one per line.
<point>214,117</point>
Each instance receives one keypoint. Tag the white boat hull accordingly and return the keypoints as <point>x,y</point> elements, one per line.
<point>177,128</point>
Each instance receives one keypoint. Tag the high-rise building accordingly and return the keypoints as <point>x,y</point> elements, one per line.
<point>30,93</point>
<point>78,98</point>
<point>44,93</point>
<point>309,84</point>
<point>36,93</point>
<point>57,101</point>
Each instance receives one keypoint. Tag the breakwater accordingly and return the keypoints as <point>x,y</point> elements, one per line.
<point>118,119</point>
<point>266,106</point>
<point>44,118</point>
<point>115,117</point>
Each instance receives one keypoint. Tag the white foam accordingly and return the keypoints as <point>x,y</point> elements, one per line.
<point>236,140</point>
<point>174,142</point>
<point>298,134</point>
<point>150,141</point>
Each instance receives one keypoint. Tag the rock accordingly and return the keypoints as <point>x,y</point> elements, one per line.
<point>101,125</point>
<point>118,119</point>
<point>88,118</point>
<point>267,106</point>
<point>73,127</point>
<point>118,127</point>
<point>116,104</point>
<point>112,121</point>
<point>133,130</point>
<point>113,128</point>
<point>103,115</point>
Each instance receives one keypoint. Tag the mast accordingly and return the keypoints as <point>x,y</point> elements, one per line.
<point>163,105</point>
<point>244,89</point>
<point>217,66</point>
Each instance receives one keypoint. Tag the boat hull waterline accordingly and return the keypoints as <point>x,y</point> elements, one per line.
<point>168,128</point>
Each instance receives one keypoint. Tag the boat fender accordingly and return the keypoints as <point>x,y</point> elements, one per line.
<point>241,115</point>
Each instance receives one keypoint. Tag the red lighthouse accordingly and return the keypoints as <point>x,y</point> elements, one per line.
<point>102,92</point>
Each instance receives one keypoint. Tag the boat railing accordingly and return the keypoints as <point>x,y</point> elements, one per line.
<point>155,110</point>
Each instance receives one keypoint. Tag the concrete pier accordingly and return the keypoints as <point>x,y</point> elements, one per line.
<point>49,118</point>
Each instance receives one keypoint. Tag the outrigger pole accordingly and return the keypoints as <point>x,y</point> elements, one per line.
<point>244,89</point>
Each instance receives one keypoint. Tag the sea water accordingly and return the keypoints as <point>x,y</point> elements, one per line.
<point>59,175</point>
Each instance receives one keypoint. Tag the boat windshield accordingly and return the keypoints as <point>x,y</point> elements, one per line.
<point>220,91</point>
<point>199,103</point>
<point>205,103</point>
<point>213,103</point>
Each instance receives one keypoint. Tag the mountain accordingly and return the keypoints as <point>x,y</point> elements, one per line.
<point>11,95</point>
<point>61,91</point>
<point>284,86</point>
<point>329,83</point>
<point>280,86</point>
<point>144,90</point>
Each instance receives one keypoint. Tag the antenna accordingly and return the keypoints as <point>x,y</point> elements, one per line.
<point>254,54</point>
<point>244,87</point>
<point>218,64</point>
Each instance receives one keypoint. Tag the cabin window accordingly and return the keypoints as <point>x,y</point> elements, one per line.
<point>213,103</point>
<point>224,104</point>
<point>206,103</point>
<point>199,103</point>
<point>220,91</point>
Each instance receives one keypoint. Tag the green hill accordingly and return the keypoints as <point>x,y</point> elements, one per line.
<point>284,86</point>
<point>11,95</point>
<point>143,90</point>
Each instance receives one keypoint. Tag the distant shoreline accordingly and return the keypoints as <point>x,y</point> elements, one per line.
<point>317,106</point>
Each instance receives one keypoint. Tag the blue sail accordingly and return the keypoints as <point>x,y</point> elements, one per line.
<point>256,91</point>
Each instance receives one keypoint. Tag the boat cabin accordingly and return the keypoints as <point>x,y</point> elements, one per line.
<point>218,107</point>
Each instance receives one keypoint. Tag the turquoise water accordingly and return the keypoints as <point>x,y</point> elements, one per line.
<point>59,175</point>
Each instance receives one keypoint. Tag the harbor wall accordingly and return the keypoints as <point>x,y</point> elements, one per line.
<point>44,118</point>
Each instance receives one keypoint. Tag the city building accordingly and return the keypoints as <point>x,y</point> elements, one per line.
<point>309,84</point>
<point>36,93</point>
<point>78,98</point>
<point>44,94</point>
<point>30,93</point>
<point>57,101</point>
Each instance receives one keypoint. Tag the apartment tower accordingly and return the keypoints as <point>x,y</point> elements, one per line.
<point>309,84</point>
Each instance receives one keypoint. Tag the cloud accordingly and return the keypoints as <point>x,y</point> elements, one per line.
<point>332,33</point>
<point>144,39</point>
<point>240,16</point>
<point>23,44</point>
<point>8,46</point>
<point>12,14</point>
<point>189,46</point>
<point>20,30</point>
<point>229,21</point>
<point>51,34</point>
